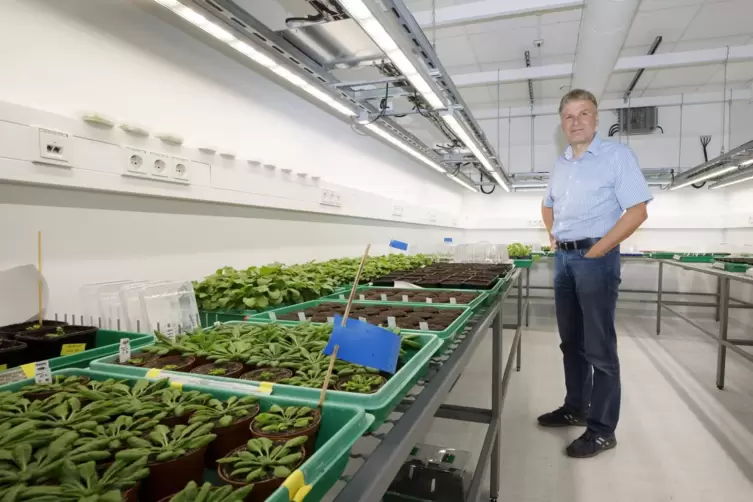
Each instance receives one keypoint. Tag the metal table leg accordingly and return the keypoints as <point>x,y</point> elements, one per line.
<point>520,319</point>
<point>721,359</point>
<point>497,354</point>
<point>658,298</point>
<point>718,298</point>
<point>528,295</point>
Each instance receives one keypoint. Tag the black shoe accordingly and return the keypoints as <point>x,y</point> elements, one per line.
<point>562,417</point>
<point>591,444</point>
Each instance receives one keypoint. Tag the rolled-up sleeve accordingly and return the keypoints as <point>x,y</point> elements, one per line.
<point>630,185</point>
<point>548,200</point>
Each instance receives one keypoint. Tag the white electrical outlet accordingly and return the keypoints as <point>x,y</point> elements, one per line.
<point>135,161</point>
<point>330,198</point>
<point>159,164</point>
<point>54,147</point>
<point>397,210</point>
<point>179,170</point>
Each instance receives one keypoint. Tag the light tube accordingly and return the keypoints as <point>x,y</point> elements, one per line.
<point>530,189</point>
<point>361,13</point>
<point>733,180</point>
<point>407,149</point>
<point>225,36</point>
<point>531,185</point>
<point>461,183</point>
<point>473,147</point>
<point>704,177</point>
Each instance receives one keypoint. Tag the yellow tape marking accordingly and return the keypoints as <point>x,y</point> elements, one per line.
<point>29,370</point>
<point>153,373</point>
<point>293,483</point>
<point>302,492</point>
<point>266,386</point>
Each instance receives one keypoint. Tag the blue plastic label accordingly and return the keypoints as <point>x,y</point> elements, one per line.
<point>364,344</point>
<point>399,245</point>
<point>448,239</point>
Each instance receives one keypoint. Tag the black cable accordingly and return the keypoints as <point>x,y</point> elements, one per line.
<point>698,185</point>
<point>614,129</point>
<point>481,185</point>
<point>382,105</point>
<point>660,128</point>
<point>705,140</point>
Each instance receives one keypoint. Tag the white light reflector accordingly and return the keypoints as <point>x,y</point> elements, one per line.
<point>711,174</point>
<point>733,180</point>
<point>407,149</point>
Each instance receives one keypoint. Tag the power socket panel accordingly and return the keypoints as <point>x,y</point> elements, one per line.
<point>160,165</point>
<point>397,211</point>
<point>135,162</point>
<point>54,147</point>
<point>330,198</point>
<point>180,170</point>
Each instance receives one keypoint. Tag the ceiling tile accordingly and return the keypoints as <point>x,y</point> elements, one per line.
<point>447,32</point>
<point>462,69</point>
<point>549,89</point>
<point>504,65</point>
<point>502,45</point>
<point>651,5</point>
<point>710,43</point>
<point>668,91</point>
<point>736,72</point>
<point>619,82</point>
<point>476,95</point>
<point>505,24</point>
<point>689,76</point>
<point>455,51</point>
<point>669,23</point>
<point>722,19</point>
<point>556,59</point>
<point>559,38</point>
<point>562,16</point>
<point>514,91</point>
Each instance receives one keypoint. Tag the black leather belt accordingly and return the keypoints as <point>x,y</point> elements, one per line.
<point>573,245</point>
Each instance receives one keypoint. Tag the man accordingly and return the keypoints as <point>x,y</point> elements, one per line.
<point>596,198</point>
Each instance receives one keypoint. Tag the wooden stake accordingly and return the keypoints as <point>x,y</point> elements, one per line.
<point>333,357</point>
<point>40,285</point>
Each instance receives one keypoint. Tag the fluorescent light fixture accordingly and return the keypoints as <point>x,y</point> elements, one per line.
<point>733,180</point>
<point>361,13</point>
<point>404,147</point>
<point>746,163</point>
<point>713,173</point>
<point>530,188</point>
<point>461,183</point>
<point>225,36</point>
<point>458,129</point>
<point>531,185</point>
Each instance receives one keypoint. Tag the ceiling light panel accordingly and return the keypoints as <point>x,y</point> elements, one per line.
<point>734,180</point>
<point>712,173</point>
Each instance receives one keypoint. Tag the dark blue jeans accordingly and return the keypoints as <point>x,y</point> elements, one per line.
<point>585,296</point>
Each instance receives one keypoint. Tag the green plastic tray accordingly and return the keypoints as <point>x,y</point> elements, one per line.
<point>107,343</point>
<point>476,301</point>
<point>341,427</point>
<point>523,263</point>
<point>694,258</point>
<point>732,267</point>
<point>446,335</point>
<point>379,404</point>
<point>209,317</point>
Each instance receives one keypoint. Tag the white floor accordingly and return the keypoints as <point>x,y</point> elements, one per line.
<point>679,438</point>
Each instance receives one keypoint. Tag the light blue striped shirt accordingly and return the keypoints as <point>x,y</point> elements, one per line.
<point>590,194</point>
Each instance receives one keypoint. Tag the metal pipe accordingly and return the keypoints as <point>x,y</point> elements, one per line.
<point>651,52</point>
<point>651,291</point>
<point>658,298</point>
<point>721,360</point>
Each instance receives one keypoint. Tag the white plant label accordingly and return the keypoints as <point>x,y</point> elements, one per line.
<point>169,332</point>
<point>362,319</point>
<point>273,316</point>
<point>391,323</point>
<point>405,298</point>
<point>384,297</point>
<point>362,297</point>
<point>453,301</point>
<point>42,373</point>
<point>302,316</point>
<point>423,326</point>
<point>331,321</point>
<point>124,352</point>
<point>342,297</point>
<point>429,300</point>
<point>14,375</point>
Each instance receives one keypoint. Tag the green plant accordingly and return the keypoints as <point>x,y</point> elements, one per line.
<point>22,410</point>
<point>364,384</point>
<point>546,249</point>
<point>518,250</point>
<point>236,350</point>
<point>264,459</point>
<point>170,367</point>
<point>27,432</point>
<point>136,361</point>
<point>312,377</point>
<point>217,371</point>
<point>173,402</point>
<point>273,355</point>
<point>224,413</point>
<point>164,345</point>
<point>164,444</point>
<point>200,343</point>
<point>278,419</point>
<point>343,368</point>
<point>33,327</point>
<point>71,414</point>
<point>117,433</point>
<point>59,331</point>
<point>59,383</point>
<point>211,493</point>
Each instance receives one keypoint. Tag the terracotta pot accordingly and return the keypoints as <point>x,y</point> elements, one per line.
<point>228,439</point>
<point>281,373</point>
<point>166,478</point>
<point>310,432</point>
<point>263,489</point>
<point>184,363</point>
<point>233,369</point>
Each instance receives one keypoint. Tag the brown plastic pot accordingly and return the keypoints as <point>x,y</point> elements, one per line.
<point>342,381</point>
<point>232,369</point>
<point>280,374</point>
<point>262,489</point>
<point>132,494</point>
<point>310,432</point>
<point>184,363</point>
<point>229,438</point>
<point>167,478</point>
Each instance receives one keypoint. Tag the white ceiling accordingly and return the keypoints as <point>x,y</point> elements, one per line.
<point>685,25</point>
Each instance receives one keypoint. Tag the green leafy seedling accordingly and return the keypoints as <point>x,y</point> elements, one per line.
<point>278,419</point>
<point>264,459</point>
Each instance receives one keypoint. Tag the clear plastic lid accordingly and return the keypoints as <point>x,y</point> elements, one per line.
<point>134,319</point>
<point>169,307</point>
<point>97,302</point>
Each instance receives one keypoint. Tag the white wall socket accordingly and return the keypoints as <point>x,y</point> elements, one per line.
<point>330,198</point>
<point>159,164</point>
<point>180,170</point>
<point>397,210</point>
<point>135,161</point>
<point>54,147</point>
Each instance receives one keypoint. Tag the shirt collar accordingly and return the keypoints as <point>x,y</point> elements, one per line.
<point>593,148</point>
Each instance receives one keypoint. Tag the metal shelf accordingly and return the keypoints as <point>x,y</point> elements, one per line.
<point>380,467</point>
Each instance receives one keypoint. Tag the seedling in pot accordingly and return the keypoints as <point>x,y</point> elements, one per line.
<point>273,355</point>
<point>225,413</point>
<point>342,369</point>
<point>264,459</point>
<point>313,377</point>
<point>164,444</point>
<point>34,327</point>
<point>71,414</point>
<point>362,384</point>
<point>27,432</point>
<point>119,391</point>
<point>173,402</point>
<point>170,367</point>
<point>117,433</point>
<point>165,345</point>
<point>59,332</point>
<point>279,419</point>
<point>210,493</point>
<point>237,350</point>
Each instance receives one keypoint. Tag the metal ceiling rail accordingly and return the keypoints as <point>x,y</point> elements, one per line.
<point>244,26</point>
<point>733,157</point>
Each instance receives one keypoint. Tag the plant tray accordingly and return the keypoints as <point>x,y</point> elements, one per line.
<point>732,267</point>
<point>480,294</point>
<point>662,255</point>
<point>693,258</point>
<point>523,263</point>
<point>446,334</point>
<point>379,404</point>
<point>107,343</point>
<point>341,427</point>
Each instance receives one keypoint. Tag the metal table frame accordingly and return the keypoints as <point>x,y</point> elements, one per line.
<point>722,312</point>
<point>380,467</point>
